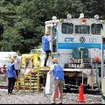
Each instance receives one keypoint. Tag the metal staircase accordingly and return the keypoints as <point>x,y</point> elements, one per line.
<point>31,80</point>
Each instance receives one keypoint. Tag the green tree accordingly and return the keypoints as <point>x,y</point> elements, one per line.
<point>22,21</point>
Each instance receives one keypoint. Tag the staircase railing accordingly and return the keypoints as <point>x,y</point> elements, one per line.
<point>33,82</point>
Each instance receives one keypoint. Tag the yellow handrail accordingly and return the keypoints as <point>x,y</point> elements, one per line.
<point>36,69</point>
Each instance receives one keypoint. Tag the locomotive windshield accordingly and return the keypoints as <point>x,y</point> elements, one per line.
<point>82,29</point>
<point>67,28</point>
<point>96,29</point>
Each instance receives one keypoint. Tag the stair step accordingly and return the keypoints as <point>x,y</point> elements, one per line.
<point>31,77</point>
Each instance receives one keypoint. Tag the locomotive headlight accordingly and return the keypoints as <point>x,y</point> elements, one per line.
<point>69,16</point>
<point>81,16</point>
<point>96,17</point>
<point>54,18</point>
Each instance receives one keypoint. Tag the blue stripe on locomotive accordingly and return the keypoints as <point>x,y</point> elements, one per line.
<point>76,45</point>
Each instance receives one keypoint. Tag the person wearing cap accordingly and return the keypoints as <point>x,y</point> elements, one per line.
<point>11,74</point>
<point>46,46</point>
<point>46,39</point>
<point>58,83</point>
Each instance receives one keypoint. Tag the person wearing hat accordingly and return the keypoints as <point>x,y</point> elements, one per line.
<point>46,39</point>
<point>58,83</point>
<point>11,74</point>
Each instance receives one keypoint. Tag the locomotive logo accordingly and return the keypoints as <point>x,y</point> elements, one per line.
<point>82,39</point>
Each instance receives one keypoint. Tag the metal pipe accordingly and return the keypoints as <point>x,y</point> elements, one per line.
<point>102,57</point>
<point>82,65</point>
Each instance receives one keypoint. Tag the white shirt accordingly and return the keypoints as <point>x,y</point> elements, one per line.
<point>17,63</point>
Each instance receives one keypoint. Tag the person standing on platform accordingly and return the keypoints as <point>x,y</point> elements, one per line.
<point>46,39</point>
<point>46,46</point>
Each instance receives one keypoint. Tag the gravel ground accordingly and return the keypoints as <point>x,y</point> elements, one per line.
<point>27,97</point>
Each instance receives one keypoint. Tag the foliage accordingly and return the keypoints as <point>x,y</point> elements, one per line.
<point>22,21</point>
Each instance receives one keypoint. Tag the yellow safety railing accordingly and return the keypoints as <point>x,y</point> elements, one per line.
<point>36,69</point>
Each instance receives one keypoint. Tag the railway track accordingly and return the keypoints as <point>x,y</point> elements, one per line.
<point>73,90</point>
<point>89,91</point>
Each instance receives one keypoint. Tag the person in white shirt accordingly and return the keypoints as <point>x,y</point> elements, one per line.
<point>17,63</point>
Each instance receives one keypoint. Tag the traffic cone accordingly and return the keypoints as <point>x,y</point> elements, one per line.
<point>57,93</point>
<point>81,94</point>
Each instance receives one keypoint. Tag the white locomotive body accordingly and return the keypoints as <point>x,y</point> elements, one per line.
<point>78,42</point>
